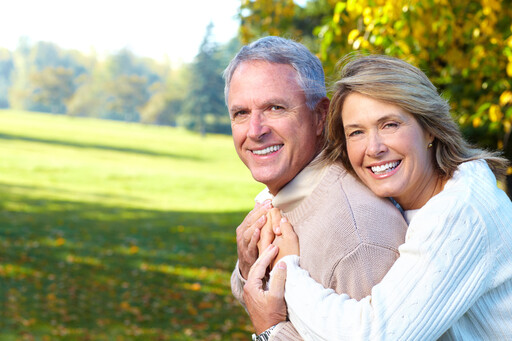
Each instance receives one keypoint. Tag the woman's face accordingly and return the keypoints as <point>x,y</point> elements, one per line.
<point>389,150</point>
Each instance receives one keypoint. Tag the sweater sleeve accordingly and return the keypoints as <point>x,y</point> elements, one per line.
<point>285,331</point>
<point>237,285</point>
<point>359,271</point>
<point>442,270</point>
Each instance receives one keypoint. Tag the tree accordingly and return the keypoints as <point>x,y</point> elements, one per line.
<point>167,99</point>
<point>43,77</point>
<point>6,69</point>
<point>50,89</point>
<point>464,46</point>
<point>205,100</point>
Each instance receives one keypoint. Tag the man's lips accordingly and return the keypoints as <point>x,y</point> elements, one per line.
<point>267,150</point>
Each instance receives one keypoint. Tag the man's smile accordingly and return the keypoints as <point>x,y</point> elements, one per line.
<point>268,150</point>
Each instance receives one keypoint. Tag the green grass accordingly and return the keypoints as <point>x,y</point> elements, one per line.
<point>116,231</point>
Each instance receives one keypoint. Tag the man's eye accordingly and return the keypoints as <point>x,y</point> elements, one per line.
<point>276,108</point>
<point>239,113</point>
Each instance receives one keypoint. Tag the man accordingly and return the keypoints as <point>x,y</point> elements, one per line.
<point>275,93</point>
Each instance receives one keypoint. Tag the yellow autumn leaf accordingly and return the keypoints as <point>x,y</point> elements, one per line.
<point>509,171</point>
<point>192,311</point>
<point>495,113</point>
<point>353,35</point>
<point>505,98</point>
<point>195,287</point>
<point>133,249</point>
<point>507,126</point>
<point>509,69</point>
<point>60,241</point>
<point>403,47</point>
<point>477,122</point>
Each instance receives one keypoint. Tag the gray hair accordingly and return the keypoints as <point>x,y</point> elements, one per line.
<point>310,74</point>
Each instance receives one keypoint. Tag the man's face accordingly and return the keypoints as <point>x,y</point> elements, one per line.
<point>275,134</point>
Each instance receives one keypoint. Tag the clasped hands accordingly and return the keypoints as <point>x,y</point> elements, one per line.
<point>266,233</point>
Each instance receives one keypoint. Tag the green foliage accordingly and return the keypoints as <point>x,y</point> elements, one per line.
<point>465,47</point>
<point>116,231</point>
<point>205,100</point>
<point>6,68</point>
<point>51,88</point>
<point>122,86</point>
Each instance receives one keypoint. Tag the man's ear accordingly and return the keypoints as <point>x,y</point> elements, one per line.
<point>321,110</point>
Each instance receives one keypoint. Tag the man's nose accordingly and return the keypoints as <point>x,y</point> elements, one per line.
<point>375,146</point>
<point>258,126</point>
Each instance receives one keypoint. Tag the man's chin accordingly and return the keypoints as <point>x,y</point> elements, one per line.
<point>274,183</point>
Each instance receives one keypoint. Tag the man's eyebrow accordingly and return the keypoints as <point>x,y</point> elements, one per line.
<point>236,108</point>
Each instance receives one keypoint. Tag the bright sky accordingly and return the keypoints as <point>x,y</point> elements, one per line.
<point>148,28</point>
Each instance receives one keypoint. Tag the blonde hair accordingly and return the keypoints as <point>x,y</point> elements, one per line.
<point>397,82</point>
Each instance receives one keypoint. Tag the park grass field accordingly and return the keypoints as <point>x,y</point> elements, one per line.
<point>117,231</point>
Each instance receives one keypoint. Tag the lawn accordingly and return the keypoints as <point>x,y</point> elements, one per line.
<point>117,231</point>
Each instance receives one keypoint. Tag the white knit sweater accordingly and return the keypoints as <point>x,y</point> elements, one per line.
<point>453,279</point>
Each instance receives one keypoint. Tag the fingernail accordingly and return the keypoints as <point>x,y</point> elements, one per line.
<point>263,217</point>
<point>277,230</point>
<point>281,265</point>
<point>284,220</point>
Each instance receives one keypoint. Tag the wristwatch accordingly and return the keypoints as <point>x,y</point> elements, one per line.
<point>263,336</point>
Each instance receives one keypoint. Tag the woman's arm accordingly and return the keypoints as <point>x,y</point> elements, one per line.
<point>441,272</point>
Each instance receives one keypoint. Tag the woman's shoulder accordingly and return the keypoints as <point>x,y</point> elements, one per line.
<point>473,183</point>
<point>469,197</point>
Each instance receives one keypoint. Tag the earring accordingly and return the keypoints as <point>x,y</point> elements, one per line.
<point>429,145</point>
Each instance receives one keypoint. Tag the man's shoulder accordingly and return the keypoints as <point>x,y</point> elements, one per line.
<point>351,186</point>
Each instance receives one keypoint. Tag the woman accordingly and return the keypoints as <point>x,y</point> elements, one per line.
<point>453,279</point>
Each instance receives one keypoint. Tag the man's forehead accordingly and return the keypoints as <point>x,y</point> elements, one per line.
<point>285,70</point>
<point>257,80</point>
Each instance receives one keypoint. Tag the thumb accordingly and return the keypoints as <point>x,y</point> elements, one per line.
<point>278,280</point>
<point>287,229</point>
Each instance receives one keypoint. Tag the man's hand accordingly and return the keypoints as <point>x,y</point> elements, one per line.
<point>248,235</point>
<point>266,308</point>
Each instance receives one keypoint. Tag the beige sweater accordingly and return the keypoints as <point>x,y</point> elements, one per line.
<point>348,238</point>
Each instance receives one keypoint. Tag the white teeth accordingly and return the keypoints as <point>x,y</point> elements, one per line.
<point>385,168</point>
<point>267,150</point>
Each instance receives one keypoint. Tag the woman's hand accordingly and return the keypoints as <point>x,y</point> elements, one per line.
<point>266,307</point>
<point>267,235</point>
<point>286,239</point>
<point>248,235</point>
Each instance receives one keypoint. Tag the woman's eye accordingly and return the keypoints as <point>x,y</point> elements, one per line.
<point>355,133</point>
<point>391,125</point>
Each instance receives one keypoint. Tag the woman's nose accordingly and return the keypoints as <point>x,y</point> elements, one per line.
<point>375,146</point>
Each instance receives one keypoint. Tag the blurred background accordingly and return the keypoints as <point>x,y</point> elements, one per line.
<point>120,187</point>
